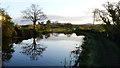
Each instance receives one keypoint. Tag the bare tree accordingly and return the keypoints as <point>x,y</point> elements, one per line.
<point>95,15</point>
<point>34,14</point>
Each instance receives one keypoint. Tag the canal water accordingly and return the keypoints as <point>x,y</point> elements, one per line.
<point>52,49</point>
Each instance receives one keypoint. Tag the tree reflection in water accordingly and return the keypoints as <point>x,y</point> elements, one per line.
<point>7,52</point>
<point>7,48</point>
<point>47,35</point>
<point>74,57</point>
<point>68,34</point>
<point>55,34</point>
<point>34,50</point>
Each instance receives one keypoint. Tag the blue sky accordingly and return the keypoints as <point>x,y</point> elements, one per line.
<point>64,8</point>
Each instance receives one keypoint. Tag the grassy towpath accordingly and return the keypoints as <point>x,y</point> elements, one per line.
<point>99,51</point>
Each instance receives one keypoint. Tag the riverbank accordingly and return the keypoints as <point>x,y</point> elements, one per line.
<point>98,50</point>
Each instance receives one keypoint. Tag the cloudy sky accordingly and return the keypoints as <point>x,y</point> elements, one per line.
<point>74,11</point>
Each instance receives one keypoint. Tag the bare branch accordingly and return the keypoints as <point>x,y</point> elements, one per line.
<point>34,13</point>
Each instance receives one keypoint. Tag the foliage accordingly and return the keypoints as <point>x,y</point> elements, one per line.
<point>7,25</point>
<point>111,18</point>
<point>48,22</point>
<point>7,49</point>
<point>110,15</point>
<point>97,50</point>
<point>47,28</point>
<point>18,26</point>
<point>8,29</point>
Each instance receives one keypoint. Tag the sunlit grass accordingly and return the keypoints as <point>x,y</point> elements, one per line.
<point>59,29</point>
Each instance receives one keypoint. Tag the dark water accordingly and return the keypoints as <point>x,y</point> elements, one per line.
<point>52,49</point>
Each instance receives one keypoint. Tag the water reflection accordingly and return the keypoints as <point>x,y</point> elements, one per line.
<point>58,49</point>
<point>47,35</point>
<point>7,52</point>
<point>75,54</point>
<point>55,34</point>
<point>60,46</point>
<point>74,57</point>
<point>33,50</point>
<point>7,48</point>
<point>68,34</point>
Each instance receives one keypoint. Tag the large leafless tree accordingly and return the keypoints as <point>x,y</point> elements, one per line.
<point>34,14</point>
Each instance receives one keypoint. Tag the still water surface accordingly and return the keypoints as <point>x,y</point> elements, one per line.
<point>51,50</point>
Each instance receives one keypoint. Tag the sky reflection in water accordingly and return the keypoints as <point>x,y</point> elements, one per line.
<point>54,50</point>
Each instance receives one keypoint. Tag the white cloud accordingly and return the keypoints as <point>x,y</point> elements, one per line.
<point>83,7</point>
<point>61,19</point>
<point>74,11</point>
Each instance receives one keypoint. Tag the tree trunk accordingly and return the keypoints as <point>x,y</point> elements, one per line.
<point>34,23</point>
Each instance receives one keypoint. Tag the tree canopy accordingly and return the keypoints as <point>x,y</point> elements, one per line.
<point>111,15</point>
<point>34,14</point>
<point>7,24</point>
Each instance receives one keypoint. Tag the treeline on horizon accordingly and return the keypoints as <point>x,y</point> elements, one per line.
<point>110,27</point>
